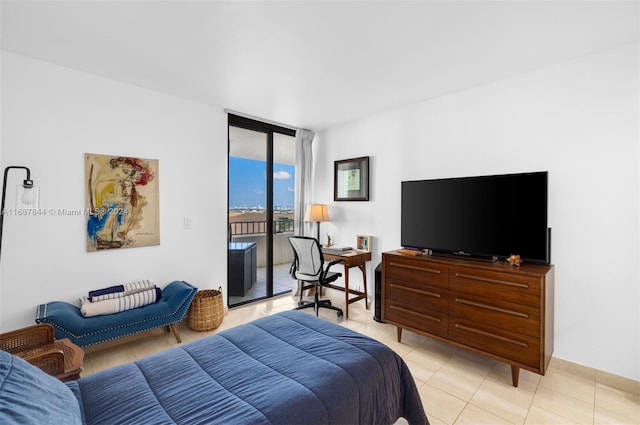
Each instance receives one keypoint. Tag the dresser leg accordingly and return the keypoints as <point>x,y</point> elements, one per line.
<point>399,329</point>
<point>515,374</point>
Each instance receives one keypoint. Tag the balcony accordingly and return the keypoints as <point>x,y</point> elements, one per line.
<point>255,231</point>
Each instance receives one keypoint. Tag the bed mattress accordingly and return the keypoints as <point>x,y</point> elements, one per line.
<point>289,368</point>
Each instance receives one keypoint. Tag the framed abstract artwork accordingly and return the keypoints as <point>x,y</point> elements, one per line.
<point>363,243</point>
<point>351,179</point>
<point>122,202</point>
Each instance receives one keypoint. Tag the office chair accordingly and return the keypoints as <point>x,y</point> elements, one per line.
<point>308,267</point>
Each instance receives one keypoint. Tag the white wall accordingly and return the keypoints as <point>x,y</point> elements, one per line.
<point>51,116</point>
<point>579,121</point>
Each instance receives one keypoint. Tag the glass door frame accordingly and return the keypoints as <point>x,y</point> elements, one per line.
<point>269,130</point>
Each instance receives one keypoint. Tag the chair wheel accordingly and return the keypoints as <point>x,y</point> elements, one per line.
<point>340,313</point>
<point>300,303</point>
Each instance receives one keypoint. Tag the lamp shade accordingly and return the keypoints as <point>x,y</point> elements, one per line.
<point>27,197</point>
<point>316,213</point>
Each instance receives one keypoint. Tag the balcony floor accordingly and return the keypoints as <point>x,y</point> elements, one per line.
<point>282,283</point>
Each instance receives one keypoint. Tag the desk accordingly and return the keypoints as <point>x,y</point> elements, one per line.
<point>351,259</point>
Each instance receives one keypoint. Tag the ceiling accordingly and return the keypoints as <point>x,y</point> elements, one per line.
<point>312,64</point>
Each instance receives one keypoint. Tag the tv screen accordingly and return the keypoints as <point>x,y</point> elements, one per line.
<point>484,216</point>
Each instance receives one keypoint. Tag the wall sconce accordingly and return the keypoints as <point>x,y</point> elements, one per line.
<point>27,195</point>
<point>316,213</point>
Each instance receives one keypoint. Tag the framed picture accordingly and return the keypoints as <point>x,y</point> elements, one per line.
<point>363,243</point>
<point>122,201</point>
<point>351,179</point>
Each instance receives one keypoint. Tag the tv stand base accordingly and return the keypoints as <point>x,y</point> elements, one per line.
<point>461,256</point>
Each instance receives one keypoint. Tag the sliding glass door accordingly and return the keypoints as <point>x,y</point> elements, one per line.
<point>261,198</point>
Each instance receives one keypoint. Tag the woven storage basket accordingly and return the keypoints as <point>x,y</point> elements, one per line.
<point>206,311</point>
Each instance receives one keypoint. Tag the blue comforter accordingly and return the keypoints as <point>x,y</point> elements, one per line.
<point>290,368</point>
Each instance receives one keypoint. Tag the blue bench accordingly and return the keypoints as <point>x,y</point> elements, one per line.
<point>69,322</point>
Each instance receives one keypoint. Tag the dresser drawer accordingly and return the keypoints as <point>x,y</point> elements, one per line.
<point>421,319</point>
<point>497,313</point>
<point>510,346</point>
<point>416,294</point>
<point>512,287</point>
<point>416,270</point>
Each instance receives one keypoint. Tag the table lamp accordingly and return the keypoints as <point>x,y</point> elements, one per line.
<point>316,213</point>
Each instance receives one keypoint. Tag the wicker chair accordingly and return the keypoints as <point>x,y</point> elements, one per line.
<point>36,345</point>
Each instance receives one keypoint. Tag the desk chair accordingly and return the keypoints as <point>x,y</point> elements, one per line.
<point>308,267</point>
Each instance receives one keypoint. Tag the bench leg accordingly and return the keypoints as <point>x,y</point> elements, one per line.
<point>175,332</point>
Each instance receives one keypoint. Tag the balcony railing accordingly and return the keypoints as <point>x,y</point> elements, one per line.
<point>237,228</point>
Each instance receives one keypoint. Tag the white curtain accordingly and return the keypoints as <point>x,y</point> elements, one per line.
<point>304,168</point>
<point>304,165</point>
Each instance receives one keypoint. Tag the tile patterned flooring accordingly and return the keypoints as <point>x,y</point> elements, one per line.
<point>457,387</point>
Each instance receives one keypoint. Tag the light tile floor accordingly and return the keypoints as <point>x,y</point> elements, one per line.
<point>457,386</point>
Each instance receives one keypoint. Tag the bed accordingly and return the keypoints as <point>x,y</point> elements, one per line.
<point>289,368</point>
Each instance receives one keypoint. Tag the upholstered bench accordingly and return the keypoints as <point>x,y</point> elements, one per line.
<point>69,322</point>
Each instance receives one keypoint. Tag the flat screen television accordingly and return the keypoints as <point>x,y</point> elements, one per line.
<point>480,217</point>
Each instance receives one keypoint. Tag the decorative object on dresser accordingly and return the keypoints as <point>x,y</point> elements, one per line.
<point>503,312</point>
<point>514,260</point>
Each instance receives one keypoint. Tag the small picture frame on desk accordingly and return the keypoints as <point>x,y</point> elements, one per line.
<point>363,243</point>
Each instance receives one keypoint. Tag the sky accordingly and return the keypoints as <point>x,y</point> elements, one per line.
<point>247,183</point>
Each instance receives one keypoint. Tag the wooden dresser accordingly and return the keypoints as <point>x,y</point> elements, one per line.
<point>495,309</point>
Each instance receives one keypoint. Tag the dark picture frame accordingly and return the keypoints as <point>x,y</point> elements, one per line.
<point>351,179</point>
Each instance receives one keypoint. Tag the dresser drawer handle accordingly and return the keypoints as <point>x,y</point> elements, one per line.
<point>406,266</point>
<point>499,282</point>
<point>415,313</point>
<point>417,291</point>
<point>489,334</point>
<point>492,308</point>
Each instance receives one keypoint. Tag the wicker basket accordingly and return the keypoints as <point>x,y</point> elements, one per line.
<point>206,311</point>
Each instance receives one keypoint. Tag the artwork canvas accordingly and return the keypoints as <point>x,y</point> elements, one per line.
<point>122,202</point>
